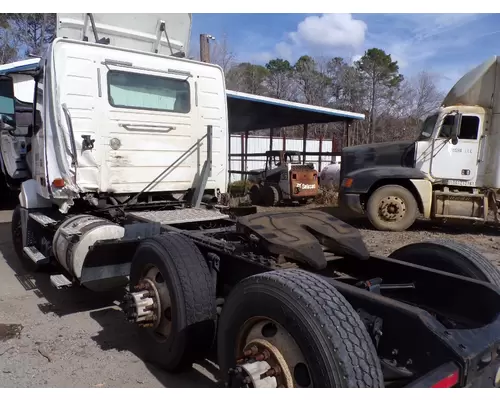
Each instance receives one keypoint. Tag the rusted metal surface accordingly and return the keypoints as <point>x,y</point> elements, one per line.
<point>301,236</point>
<point>303,181</point>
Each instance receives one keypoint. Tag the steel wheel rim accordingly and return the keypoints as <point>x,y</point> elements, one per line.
<point>163,327</point>
<point>392,208</point>
<point>265,346</point>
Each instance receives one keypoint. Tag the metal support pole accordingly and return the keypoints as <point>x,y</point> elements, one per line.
<point>345,139</point>
<point>304,144</point>
<point>271,134</point>
<point>246,151</point>
<point>243,152</point>
<point>320,151</point>
<point>206,172</point>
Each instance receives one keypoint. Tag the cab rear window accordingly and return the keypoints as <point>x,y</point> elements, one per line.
<point>147,92</point>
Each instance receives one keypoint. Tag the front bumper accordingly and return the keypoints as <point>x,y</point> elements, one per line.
<point>351,201</point>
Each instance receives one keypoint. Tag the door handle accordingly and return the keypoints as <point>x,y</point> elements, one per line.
<point>145,126</point>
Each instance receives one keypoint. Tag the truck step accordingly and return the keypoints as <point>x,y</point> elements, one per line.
<point>34,254</point>
<point>179,216</point>
<point>42,219</point>
<point>60,281</point>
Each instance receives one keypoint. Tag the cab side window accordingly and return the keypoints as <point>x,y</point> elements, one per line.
<point>468,129</point>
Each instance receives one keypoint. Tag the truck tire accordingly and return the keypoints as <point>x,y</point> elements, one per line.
<point>256,195</point>
<point>448,256</point>
<point>17,241</point>
<point>392,208</point>
<point>306,326</point>
<point>187,307</point>
<point>270,196</point>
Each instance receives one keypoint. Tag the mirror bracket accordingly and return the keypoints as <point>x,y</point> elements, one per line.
<point>457,122</point>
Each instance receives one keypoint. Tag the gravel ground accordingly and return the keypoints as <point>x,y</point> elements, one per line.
<point>73,338</point>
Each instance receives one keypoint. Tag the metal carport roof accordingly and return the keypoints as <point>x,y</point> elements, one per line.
<point>248,112</point>
<point>20,66</point>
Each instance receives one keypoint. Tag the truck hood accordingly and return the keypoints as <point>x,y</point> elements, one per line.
<point>377,154</point>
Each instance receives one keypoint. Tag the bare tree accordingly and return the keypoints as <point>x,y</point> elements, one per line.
<point>33,31</point>
<point>427,97</point>
<point>8,46</point>
<point>221,54</point>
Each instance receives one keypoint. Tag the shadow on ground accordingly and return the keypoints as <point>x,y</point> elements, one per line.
<point>116,332</point>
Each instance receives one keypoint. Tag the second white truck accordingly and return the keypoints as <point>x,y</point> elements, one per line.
<point>452,170</point>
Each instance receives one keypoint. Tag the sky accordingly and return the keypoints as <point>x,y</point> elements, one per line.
<point>447,45</point>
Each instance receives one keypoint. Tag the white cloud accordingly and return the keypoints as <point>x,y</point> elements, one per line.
<point>326,34</point>
<point>330,30</point>
<point>414,39</point>
<point>284,50</point>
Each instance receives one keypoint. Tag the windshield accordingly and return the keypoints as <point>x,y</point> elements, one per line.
<point>428,127</point>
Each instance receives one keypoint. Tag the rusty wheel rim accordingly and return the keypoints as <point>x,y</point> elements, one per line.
<point>392,208</point>
<point>269,357</point>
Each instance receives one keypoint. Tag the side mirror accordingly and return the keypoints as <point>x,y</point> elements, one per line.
<point>457,122</point>
<point>7,103</point>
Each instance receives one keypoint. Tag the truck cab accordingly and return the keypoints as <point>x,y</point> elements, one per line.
<point>451,170</point>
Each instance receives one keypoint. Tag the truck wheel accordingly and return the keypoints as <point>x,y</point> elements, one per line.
<point>448,256</point>
<point>270,196</point>
<point>17,241</point>
<point>173,271</point>
<point>293,329</point>
<point>255,195</point>
<point>392,208</point>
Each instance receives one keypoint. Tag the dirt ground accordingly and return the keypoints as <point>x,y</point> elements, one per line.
<point>75,338</point>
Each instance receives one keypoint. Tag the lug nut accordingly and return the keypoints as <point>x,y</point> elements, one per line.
<point>271,372</point>
<point>262,356</point>
<point>251,351</point>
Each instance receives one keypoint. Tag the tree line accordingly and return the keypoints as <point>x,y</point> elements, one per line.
<point>393,104</point>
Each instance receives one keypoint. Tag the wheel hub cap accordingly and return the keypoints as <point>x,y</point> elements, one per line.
<point>149,305</point>
<point>392,208</point>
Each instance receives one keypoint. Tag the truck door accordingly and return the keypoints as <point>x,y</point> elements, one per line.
<point>459,161</point>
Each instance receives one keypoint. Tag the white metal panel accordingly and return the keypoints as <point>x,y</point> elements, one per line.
<point>145,153</point>
<point>77,81</point>
<point>132,31</point>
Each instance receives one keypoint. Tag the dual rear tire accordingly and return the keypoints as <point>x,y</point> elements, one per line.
<point>303,325</point>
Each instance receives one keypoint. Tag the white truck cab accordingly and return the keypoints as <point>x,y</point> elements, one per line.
<point>118,119</point>
<point>451,171</point>
<point>108,120</point>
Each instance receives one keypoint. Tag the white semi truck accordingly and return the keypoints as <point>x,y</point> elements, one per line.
<point>115,198</point>
<point>452,170</point>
